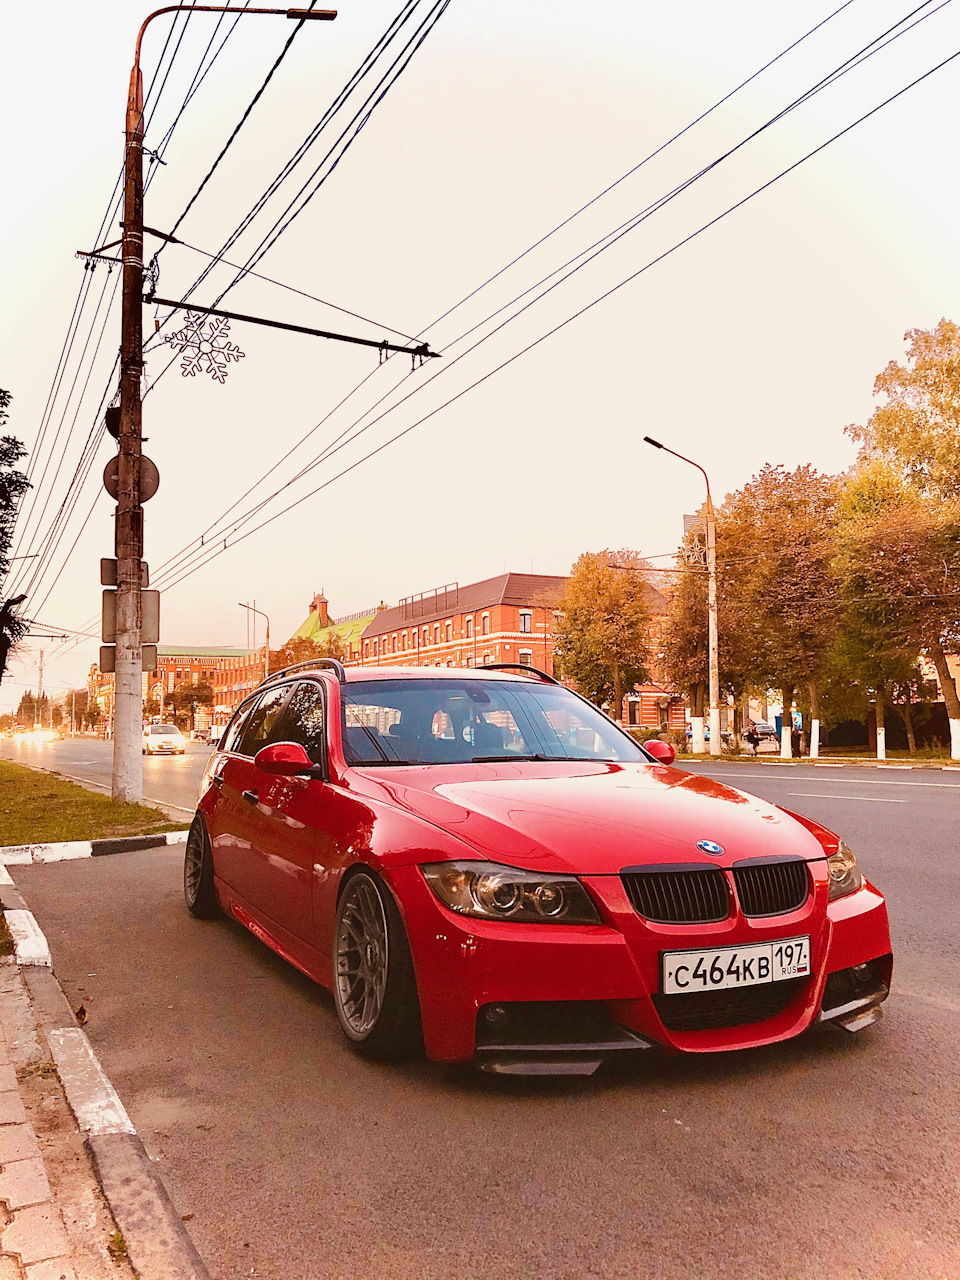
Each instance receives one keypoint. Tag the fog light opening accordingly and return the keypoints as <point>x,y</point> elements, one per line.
<point>862,972</point>
<point>494,1013</point>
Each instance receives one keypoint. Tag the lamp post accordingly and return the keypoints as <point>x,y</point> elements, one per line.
<point>712,648</point>
<point>127,764</point>
<point>266,652</point>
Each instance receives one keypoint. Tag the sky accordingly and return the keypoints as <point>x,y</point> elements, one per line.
<point>756,341</point>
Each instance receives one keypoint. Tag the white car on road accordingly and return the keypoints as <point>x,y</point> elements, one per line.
<point>163,739</point>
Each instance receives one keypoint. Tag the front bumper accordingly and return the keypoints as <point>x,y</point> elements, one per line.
<point>612,972</point>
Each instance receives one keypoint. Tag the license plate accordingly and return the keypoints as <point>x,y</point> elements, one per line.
<point>726,967</point>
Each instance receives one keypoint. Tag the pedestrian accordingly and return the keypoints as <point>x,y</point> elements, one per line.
<point>753,737</point>
<point>795,741</point>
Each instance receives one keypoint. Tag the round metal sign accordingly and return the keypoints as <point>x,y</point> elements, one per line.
<point>710,846</point>
<point>149,478</point>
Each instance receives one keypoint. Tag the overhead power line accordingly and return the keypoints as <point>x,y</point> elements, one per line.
<point>576,315</point>
<point>575,263</point>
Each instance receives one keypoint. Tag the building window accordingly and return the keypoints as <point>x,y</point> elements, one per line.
<point>485,624</point>
<point>526,657</point>
<point>525,621</point>
<point>469,628</point>
<point>486,659</point>
<point>393,643</point>
<point>436,633</point>
<point>366,648</point>
<point>448,631</point>
<point>376,648</point>
<point>403,642</point>
<point>426,636</point>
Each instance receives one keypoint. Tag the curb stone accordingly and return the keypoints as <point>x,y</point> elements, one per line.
<point>158,1244</point>
<point>22,854</point>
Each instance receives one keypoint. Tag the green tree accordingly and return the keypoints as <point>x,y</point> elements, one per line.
<point>604,620</point>
<point>13,485</point>
<point>917,430</point>
<point>302,649</point>
<point>187,697</point>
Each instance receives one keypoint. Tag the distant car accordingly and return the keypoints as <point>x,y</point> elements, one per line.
<point>163,739</point>
<point>764,729</point>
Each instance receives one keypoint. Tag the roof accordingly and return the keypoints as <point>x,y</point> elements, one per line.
<point>180,651</point>
<point>516,589</point>
<point>350,632</point>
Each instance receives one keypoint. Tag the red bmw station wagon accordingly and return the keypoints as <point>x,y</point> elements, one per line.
<point>480,864</point>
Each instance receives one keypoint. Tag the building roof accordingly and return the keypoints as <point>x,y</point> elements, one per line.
<point>516,589</point>
<point>350,631</point>
<point>197,651</point>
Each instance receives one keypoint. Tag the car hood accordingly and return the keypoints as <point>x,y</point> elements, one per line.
<point>592,819</point>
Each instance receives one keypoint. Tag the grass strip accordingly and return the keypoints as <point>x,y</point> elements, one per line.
<point>38,808</point>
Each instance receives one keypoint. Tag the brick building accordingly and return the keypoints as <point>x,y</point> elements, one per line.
<point>176,665</point>
<point>509,618</point>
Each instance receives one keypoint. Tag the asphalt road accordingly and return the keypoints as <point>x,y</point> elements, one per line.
<point>835,1156</point>
<point>168,780</point>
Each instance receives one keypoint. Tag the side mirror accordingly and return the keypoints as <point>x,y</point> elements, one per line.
<point>284,758</point>
<point>662,752</point>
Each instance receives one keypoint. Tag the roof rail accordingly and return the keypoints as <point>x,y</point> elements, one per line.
<point>313,663</point>
<point>518,666</point>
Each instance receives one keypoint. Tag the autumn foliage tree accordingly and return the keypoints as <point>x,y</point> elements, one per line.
<point>916,434</point>
<point>603,625</point>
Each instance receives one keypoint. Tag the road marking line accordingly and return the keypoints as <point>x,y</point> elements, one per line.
<point>820,795</point>
<point>860,782</point>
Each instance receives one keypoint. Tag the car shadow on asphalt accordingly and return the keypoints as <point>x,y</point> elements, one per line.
<point>644,1069</point>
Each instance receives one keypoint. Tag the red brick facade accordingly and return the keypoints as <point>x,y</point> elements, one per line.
<point>509,618</point>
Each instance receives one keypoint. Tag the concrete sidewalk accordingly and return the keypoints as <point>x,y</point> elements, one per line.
<point>56,1224</point>
<point>79,1196</point>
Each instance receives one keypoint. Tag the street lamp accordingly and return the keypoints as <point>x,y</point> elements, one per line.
<point>130,493</point>
<point>266,652</point>
<point>713,655</point>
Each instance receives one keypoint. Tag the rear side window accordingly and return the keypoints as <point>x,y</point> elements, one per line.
<point>263,720</point>
<point>303,721</point>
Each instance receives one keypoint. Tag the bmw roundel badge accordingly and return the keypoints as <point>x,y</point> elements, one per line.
<point>710,846</point>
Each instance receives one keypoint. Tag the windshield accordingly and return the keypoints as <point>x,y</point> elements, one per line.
<point>164,728</point>
<point>450,721</point>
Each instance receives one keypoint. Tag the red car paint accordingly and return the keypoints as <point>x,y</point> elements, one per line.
<point>280,853</point>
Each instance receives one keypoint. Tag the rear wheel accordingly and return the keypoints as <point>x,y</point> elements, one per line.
<point>375,990</point>
<point>199,892</point>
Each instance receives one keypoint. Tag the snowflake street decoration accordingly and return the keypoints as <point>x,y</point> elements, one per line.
<point>205,348</point>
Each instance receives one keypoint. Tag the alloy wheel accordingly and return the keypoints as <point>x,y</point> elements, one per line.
<point>362,957</point>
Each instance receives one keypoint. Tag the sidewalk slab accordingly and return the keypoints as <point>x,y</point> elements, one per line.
<point>36,1234</point>
<point>24,1182</point>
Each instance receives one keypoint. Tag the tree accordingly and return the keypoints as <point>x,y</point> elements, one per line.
<point>302,649</point>
<point>187,697</point>
<point>779,579</point>
<point>603,625</point>
<point>13,485</point>
<point>917,431</point>
<point>899,559</point>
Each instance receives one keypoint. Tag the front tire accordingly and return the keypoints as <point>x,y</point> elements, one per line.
<point>374,987</point>
<point>199,891</point>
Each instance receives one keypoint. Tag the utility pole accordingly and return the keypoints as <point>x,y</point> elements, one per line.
<point>252,608</point>
<point>128,703</point>
<point>712,642</point>
<point>38,715</point>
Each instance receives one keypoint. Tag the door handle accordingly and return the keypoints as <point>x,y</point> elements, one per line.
<point>251,796</point>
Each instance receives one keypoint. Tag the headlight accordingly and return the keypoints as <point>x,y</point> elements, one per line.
<point>493,892</point>
<point>845,875</point>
